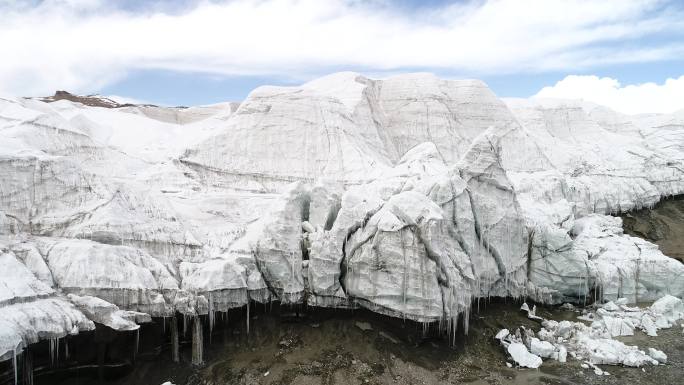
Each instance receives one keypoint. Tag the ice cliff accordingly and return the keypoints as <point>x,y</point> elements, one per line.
<point>411,196</point>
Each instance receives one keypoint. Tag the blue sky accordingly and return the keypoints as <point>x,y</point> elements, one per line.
<point>192,88</point>
<point>188,52</point>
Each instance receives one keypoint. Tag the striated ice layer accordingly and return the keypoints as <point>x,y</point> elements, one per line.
<point>122,275</point>
<point>594,260</point>
<point>26,323</point>
<point>422,242</point>
<point>411,196</point>
<point>107,314</point>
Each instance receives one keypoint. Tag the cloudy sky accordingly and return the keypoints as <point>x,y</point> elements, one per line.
<point>627,54</point>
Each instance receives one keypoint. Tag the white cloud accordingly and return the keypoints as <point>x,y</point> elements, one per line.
<point>82,45</point>
<point>629,99</point>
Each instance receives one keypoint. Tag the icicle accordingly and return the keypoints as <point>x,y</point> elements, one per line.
<point>175,356</point>
<point>137,343</point>
<point>197,343</point>
<point>54,351</point>
<point>28,367</point>
<point>247,317</point>
<point>211,315</point>
<point>404,285</point>
<point>466,319</point>
<point>14,365</point>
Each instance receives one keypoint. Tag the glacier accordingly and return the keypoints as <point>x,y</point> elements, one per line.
<point>410,196</point>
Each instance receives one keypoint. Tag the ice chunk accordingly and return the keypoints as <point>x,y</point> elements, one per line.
<point>523,357</point>
<point>365,326</point>
<point>669,309</point>
<point>648,326</point>
<point>618,326</point>
<point>657,355</point>
<point>543,349</point>
<point>503,333</point>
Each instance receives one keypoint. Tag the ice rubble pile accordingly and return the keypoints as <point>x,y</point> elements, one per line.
<point>594,343</point>
<point>409,196</point>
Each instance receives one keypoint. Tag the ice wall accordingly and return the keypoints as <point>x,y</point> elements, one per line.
<point>410,196</point>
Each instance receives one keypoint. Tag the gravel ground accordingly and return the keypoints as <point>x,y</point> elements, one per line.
<point>327,347</point>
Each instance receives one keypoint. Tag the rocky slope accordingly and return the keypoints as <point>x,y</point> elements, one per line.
<point>410,196</point>
<point>663,225</point>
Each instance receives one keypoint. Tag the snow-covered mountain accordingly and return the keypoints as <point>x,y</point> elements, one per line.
<point>410,196</point>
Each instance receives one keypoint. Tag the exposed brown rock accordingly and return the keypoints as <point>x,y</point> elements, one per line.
<point>88,100</point>
<point>662,225</point>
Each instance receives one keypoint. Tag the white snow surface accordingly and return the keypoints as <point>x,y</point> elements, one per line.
<point>410,196</point>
